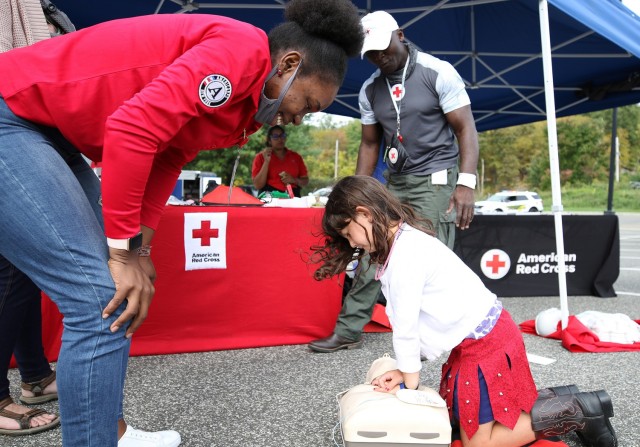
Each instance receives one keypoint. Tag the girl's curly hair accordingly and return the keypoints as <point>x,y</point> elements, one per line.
<point>386,210</point>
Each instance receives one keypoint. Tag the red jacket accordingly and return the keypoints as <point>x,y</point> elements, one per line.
<point>144,96</point>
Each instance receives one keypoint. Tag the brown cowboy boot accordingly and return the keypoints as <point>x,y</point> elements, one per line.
<point>587,413</point>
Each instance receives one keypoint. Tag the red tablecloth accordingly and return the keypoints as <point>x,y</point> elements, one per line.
<point>265,297</point>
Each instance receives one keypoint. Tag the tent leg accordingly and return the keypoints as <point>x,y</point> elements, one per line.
<point>553,157</point>
<point>612,159</point>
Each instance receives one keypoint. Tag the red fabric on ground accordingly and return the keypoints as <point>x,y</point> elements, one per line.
<point>578,338</point>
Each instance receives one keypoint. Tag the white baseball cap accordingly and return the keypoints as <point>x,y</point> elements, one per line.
<point>378,27</point>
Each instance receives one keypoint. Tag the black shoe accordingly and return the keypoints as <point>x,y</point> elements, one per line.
<point>334,343</point>
<point>598,432</point>
<point>586,413</point>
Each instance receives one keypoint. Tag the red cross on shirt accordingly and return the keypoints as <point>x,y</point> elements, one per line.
<point>397,92</point>
<point>205,233</point>
<point>392,156</point>
<point>495,264</point>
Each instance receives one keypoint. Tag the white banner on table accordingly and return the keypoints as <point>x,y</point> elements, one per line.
<point>205,241</point>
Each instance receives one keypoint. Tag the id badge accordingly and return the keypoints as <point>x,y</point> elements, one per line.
<point>396,155</point>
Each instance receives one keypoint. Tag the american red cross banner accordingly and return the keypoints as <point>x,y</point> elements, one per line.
<point>205,241</point>
<point>515,255</point>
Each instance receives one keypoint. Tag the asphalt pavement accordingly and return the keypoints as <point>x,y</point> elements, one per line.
<point>286,395</point>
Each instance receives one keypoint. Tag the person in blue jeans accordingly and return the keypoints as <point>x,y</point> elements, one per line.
<point>23,23</point>
<point>21,335</point>
<point>143,95</point>
<point>31,21</point>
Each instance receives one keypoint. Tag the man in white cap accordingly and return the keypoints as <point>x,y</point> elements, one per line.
<point>417,106</point>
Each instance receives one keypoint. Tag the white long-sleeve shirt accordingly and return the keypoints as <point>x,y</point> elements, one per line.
<point>433,299</point>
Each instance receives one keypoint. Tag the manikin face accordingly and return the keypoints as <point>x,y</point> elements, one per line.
<point>359,232</point>
<point>393,57</point>
<point>306,94</point>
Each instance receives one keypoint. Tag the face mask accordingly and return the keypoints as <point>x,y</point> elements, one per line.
<point>268,108</point>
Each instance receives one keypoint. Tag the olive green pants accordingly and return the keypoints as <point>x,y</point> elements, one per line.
<point>430,201</point>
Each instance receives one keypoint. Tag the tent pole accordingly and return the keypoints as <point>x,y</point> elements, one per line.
<point>553,157</point>
<point>612,159</point>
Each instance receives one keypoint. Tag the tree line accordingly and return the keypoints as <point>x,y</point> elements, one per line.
<point>511,158</point>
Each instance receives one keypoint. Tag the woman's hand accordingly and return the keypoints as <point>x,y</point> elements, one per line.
<point>266,154</point>
<point>133,284</point>
<point>287,178</point>
<point>388,382</point>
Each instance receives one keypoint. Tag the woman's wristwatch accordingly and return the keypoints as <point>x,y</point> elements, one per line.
<point>129,244</point>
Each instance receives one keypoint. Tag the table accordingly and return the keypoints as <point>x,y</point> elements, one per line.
<point>515,255</point>
<point>265,297</point>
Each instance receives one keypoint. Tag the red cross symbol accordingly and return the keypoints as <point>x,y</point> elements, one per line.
<point>205,233</point>
<point>392,156</point>
<point>495,264</point>
<point>397,92</point>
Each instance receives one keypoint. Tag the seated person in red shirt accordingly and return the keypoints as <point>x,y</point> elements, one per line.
<point>271,173</point>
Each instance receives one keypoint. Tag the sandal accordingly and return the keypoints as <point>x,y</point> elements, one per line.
<point>24,420</point>
<point>37,388</point>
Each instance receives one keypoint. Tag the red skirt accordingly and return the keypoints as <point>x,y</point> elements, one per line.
<point>501,357</point>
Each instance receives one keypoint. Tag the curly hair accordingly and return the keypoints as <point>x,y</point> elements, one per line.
<point>386,211</point>
<point>325,32</point>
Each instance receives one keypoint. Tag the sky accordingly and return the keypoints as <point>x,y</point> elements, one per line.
<point>633,5</point>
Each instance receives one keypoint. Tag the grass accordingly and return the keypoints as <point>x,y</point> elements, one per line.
<point>594,197</point>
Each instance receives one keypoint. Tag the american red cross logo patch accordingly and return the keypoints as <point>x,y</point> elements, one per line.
<point>397,91</point>
<point>495,264</point>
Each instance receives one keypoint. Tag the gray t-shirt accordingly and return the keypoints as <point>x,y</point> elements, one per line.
<point>431,89</point>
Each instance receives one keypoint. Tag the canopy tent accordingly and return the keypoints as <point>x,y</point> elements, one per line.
<point>502,49</point>
<point>494,45</point>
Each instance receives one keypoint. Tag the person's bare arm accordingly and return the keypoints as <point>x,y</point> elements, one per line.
<point>369,149</point>
<point>260,180</point>
<point>463,125</point>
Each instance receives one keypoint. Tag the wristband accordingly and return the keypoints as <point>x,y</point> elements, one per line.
<point>468,180</point>
<point>145,250</point>
<point>402,387</point>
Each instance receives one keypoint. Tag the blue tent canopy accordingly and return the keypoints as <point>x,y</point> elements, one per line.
<point>494,45</point>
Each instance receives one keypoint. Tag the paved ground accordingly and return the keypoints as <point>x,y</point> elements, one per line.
<point>286,396</point>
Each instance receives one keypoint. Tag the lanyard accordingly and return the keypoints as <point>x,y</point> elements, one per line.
<point>381,269</point>
<point>397,105</point>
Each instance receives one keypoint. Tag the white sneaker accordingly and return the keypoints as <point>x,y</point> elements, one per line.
<point>140,438</point>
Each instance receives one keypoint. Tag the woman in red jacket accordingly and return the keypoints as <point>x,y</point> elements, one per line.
<point>144,96</point>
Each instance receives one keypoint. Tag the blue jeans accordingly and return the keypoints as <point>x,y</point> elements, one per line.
<point>20,327</point>
<point>51,229</point>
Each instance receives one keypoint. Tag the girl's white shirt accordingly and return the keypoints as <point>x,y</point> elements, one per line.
<point>433,299</point>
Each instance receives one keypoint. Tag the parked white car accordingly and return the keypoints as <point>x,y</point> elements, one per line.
<point>322,192</point>
<point>510,201</point>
